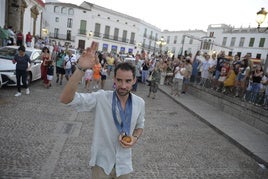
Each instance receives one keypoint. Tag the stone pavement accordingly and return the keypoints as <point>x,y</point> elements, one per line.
<point>251,140</point>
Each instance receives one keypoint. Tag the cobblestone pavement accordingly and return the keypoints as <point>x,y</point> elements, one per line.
<point>42,138</point>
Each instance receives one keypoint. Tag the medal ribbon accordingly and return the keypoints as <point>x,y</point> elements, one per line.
<point>125,115</point>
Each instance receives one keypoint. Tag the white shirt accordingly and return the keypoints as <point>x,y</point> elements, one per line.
<point>69,61</point>
<point>106,150</point>
<point>178,75</point>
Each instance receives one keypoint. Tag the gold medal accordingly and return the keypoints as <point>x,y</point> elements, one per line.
<point>126,139</point>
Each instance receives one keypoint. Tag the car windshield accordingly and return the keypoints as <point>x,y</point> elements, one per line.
<point>9,53</point>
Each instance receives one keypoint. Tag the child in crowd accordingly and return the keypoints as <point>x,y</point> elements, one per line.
<point>88,78</point>
<point>224,71</point>
<point>104,73</point>
<point>50,73</point>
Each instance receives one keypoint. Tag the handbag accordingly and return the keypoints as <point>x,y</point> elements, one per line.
<point>150,77</point>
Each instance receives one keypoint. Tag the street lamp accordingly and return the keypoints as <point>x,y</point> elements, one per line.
<point>161,43</point>
<point>261,15</point>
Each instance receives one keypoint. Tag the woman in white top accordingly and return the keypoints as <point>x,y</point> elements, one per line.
<point>178,79</point>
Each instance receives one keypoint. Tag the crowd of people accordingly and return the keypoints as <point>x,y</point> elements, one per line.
<point>237,76</point>
<point>9,36</point>
<point>234,76</point>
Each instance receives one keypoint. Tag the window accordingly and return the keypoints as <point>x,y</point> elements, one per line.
<point>258,56</point>
<point>69,23</point>
<point>69,35</point>
<point>206,45</point>
<point>97,30</point>
<point>232,42</point>
<point>56,33</point>
<point>150,43</point>
<point>56,9</point>
<point>173,50</point>
<point>262,41</point>
<point>145,33</point>
<point>71,11</point>
<point>107,32</point>
<point>116,34</point>
<point>242,41</point>
<point>132,38</point>
<point>124,36</point>
<point>191,41</point>
<point>168,39</point>
<point>57,19</point>
<point>175,39</point>
<point>83,27</point>
<point>211,34</point>
<point>251,42</point>
<point>156,37</point>
<point>64,10</point>
<point>224,41</point>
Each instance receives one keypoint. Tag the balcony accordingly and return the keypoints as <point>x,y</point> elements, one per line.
<point>82,32</point>
<point>113,38</point>
<point>65,37</point>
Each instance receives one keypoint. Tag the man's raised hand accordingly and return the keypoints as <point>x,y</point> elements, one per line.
<point>88,58</point>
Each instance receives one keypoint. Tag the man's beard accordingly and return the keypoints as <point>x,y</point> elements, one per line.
<point>122,92</point>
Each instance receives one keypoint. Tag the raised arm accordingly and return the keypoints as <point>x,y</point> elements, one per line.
<point>86,61</point>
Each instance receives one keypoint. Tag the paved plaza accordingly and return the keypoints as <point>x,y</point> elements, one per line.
<point>42,138</point>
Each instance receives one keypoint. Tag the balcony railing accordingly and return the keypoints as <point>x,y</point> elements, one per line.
<point>61,37</point>
<point>113,38</point>
<point>95,34</point>
<point>82,31</point>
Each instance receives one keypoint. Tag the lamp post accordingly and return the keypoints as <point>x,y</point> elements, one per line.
<point>261,15</point>
<point>161,42</point>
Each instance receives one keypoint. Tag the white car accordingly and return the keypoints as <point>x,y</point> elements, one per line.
<point>8,69</point>
<point>131,60</point>
<point>1,83</point>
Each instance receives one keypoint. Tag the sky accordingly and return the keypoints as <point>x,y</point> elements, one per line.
<point>175,15</point>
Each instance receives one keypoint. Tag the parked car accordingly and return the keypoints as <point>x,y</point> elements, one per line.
<point>130,60</point>
<point>1,83</point>
<point>8,69</point>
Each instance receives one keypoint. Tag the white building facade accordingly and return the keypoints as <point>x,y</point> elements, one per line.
<point>78,26</point>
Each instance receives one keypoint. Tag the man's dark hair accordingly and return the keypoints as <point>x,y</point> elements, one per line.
<point>22,48</point>
<point>125,66</point>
